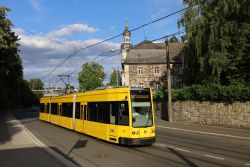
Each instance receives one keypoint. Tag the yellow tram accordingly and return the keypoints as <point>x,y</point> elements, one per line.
<point>120,115</point>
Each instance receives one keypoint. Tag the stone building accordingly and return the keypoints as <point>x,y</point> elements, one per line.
<point>144,65</point>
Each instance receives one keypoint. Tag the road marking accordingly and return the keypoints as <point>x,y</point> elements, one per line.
<point>207,133</point>
<point>211,156</point>
<point>165,145</point>
<point>180,149</point>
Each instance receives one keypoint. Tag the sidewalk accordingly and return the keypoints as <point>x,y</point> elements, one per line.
<point>18,147</point>
<point>204,129</point>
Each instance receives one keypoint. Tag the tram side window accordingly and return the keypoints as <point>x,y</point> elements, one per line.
<point>42,107</point>
<point>113,114</point>
<point>98,112</point>
<point>103,112</point>
<point>109,112</point>
<point>120,110</point>
<point>67,109</point>
<point>54,108</point>
<point>77,110</point>
<point>47,108</point>
<point>92,112</point>
<point>85,112</point>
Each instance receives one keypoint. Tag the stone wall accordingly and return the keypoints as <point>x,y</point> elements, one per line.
<point>236,114</point>
<point>149,78</point>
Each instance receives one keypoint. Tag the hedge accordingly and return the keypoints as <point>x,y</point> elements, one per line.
<point>209,93</point>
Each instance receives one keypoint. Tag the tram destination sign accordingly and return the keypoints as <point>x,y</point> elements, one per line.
<point>140,95</point>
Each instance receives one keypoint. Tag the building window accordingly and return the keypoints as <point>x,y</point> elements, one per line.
<point>180,71</point>
<point>157,86</point>
<point>140,85</point>
<point>157,70</point>
<point>140,70</point>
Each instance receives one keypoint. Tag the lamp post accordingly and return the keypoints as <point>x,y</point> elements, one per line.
<point>170,106</point>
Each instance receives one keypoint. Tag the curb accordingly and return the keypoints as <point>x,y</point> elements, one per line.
<point>40,144</point>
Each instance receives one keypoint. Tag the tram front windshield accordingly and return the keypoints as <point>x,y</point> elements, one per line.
<point>141,108</point>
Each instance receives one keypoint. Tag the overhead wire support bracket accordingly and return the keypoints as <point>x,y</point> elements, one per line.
<point>67,88</point>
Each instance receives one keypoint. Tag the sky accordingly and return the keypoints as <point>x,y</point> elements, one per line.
<point>51,30</point>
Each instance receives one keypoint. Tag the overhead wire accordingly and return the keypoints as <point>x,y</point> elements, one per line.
<point>148,41</point>
<point>108,39</point>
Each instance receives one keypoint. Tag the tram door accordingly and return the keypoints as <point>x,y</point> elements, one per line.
<point>84,115</point>
<point>113,128</point>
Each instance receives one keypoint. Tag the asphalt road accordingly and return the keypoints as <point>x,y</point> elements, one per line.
<point>173,148</point>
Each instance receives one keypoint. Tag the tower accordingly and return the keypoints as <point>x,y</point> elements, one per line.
<point>126,41</point>
<point>126,45</point>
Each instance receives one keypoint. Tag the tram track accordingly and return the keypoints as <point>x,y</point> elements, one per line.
<point>200,147</point>
<point>144,151</point>
<point>169,151</point>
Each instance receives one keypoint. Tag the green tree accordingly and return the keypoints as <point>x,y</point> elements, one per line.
<point>14,91</point>
<point>36,84</point>
<point>115,78</point>
<point>91,76</point>
<point>72,88</point>
<point>218,38</point>
<point>173,39</point>
<point>11,73</point>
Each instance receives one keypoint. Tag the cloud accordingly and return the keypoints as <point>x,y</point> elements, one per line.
<point>37,6</point>
<point>161,12</point>
<point>72,29</point>
<point>165,7</point>
<point>18,31</point>
<point>40,54</point>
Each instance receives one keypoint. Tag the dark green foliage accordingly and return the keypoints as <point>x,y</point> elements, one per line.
<point>91,76</point>
<point>161,93</point>
<point>173,39</point>
<point>14,91</point>
<point>213,93</point>
<point>218,42</point>
<point>36,84</point>
<point>113,78</point>
<point>27,97</point>
<point>72,88</point>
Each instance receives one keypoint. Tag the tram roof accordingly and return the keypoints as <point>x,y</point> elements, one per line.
<point>99,89</point>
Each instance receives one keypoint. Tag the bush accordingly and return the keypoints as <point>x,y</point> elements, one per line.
<point>231,93</point>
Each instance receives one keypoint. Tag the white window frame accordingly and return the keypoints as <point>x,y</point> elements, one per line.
<point>140,70</point>
<point>157,72</point>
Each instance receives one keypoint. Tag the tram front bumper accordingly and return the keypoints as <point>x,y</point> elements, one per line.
<point>136,141</point>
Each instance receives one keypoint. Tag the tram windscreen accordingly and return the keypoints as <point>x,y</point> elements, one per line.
<point>141,108</point>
